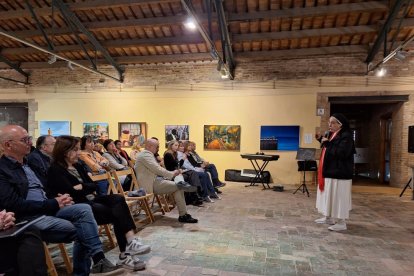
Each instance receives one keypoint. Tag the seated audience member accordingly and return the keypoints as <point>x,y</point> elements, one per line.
<point>208,191</point>
<point>67,176</point>
<point>197,161</point>
<point>39,159</point>
<point>116,162</point>
<point>95,162</point>
<point>99,148</point>
<point>124,154</point>
<point>157,156</point>
<point>153,177</point>
<point>23,193</point>
<point>171,163</point>
<point>136,148</point>
<point>21,255</point>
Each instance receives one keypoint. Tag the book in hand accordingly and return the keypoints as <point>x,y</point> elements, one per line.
<point>18,228</point>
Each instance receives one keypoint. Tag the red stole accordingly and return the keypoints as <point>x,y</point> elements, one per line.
<point>321,179</point>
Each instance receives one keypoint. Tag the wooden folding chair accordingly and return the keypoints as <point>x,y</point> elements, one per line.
<point>105,227</point>
<point>49,261</point>
<point>142,201</point>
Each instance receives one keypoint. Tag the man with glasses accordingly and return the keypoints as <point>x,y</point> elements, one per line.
<point>39,160</point>
<point>22,192</point>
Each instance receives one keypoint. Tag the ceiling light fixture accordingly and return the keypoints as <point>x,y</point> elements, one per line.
<point>400,55</point>
<point>381,72</point>
<point>224,73</point>
<point>52,59</point>
<point>70,66</point>
<point>189,24</point>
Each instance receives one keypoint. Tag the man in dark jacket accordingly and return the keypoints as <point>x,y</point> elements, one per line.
<point>22,192</point>
<point>39,160</point>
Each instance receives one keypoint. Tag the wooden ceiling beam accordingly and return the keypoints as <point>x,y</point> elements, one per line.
<point>82,6</point>
<point>179,19</point>
<point>239,57</point>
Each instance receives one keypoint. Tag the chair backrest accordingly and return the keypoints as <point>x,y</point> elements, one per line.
<point>131,163</point>
<point>134,181</point>
<point>106,176</point>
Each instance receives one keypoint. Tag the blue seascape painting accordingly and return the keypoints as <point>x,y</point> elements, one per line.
<point>279,138</point>
<point>54,128</point>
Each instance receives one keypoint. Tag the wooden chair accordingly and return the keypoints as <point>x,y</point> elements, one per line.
<point>131,163</point>
<point>105,227</point>
<point>141,201</point>
<point>49,261</point>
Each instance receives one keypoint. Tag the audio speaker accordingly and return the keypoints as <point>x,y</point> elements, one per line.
<point>411,139</point>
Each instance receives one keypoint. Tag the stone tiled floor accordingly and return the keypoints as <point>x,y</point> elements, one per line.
<point>255,232</point>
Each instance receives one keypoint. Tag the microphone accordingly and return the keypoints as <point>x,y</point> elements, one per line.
<point>326,135</point>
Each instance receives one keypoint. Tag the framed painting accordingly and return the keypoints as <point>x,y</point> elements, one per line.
<point>54,128</point>
<point>176,132</point>
<point>99,131</point>
<point>222,137</point>
<point>279,138</point>
<point>132,132</point>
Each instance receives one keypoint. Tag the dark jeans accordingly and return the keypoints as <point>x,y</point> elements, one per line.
<point>207,188</point>
<point>113,209</point>
<point>23,255</point>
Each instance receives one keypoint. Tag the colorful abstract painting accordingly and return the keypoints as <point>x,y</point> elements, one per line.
<point>130,133</point>
<point>222,137</point>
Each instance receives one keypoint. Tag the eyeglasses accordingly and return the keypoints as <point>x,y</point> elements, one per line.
<point>26,140</point>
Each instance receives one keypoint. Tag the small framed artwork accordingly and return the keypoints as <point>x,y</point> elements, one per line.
<point>132,132</point>
<point>54,128</point>
<point>279,138</point>
<point>176,132</point>
<point>98,131</point>
<point>222,137</point>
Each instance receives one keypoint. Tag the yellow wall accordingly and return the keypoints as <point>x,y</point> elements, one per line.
<point>196,109</point>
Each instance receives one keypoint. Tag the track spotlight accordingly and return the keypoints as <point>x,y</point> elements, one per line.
<point>70,66</point>
<point>52,59</point>
<point>400,55</point>
<point>224,73</point>
<point>189,24</point>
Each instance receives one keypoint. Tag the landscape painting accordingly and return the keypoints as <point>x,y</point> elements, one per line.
<point>54,128</point>
<point>222,137</point>
<point>279,138</point>
<point>98,131</point>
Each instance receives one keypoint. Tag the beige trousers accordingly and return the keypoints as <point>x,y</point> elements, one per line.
<point>162,186</point>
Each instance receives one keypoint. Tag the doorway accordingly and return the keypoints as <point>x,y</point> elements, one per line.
<point>371,122</point>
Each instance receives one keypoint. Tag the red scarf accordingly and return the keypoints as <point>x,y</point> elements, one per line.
<point>321,179</point>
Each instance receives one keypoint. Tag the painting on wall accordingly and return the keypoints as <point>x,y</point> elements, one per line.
<point>222,137</point>
<point>279,138</point>
<point>129,133</point>
<point>98,131</point>
<point>54,128</point>
<point>176,132</point>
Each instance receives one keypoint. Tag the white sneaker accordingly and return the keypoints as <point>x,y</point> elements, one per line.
<point>208,199</point>
<point>338,227</point>
<point>131,262</point>
<point>325,220</point>
<point>136,247</point>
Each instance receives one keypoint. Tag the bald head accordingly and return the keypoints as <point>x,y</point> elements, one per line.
<point>152,145</point>
<point>15,141</point>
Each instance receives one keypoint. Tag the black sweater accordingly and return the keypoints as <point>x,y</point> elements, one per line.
<point>339,156</point>
<point>60,180</point>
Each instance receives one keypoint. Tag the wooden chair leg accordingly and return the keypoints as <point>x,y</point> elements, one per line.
<point>49,262</point>
<point>159,203</point>
<point>109,234</point>
<point>66,259</point>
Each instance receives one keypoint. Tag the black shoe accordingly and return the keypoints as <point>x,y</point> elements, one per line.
<point>187,219</point>
<point>217,191</point>
<point>198,203</point>
<point>186,187</point>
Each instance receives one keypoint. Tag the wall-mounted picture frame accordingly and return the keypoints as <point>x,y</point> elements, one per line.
<point>279,138</point>
<point>176,132</point>
<point>98,131</point>
<point>132,132</point>
<point>222,137</point>
<point>54,128</point>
